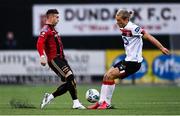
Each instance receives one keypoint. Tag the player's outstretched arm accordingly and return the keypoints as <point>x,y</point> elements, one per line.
<point>155,42</point>
<point>40,48</point>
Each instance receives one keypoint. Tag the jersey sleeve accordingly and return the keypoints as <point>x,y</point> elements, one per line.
<point>138,31</point>
<point>41,40</point>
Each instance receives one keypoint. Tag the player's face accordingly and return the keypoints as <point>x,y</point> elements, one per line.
<point>121,22</point>
<point>55,19</point>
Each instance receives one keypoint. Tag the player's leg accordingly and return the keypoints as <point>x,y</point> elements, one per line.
<point>49,97</point>
<point>120,70</point>
<point>108,86</point>
<point>59,91</point>
<point>67,75</point>
<point>62,88</point>
<point>71,83</point>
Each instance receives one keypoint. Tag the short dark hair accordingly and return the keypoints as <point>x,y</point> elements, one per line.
<point>52,11</point>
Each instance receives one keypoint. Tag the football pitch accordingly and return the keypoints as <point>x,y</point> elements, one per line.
<point>127,100</point>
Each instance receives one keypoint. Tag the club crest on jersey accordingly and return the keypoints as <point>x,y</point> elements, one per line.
<point>56,35</point>
<point>43,33</point>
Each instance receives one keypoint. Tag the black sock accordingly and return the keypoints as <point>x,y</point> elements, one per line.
<point>71,85</point>
<point>61,90</point>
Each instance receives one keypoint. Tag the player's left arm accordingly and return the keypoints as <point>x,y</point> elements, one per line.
<point>155,42</point>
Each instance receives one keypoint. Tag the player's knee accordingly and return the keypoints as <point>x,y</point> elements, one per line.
<point>71,80</point>
<point>109,76</point>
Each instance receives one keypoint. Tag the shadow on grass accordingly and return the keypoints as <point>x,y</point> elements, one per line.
<point>19,103</point>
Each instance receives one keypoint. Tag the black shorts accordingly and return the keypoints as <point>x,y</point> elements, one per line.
<point>60,67</point>
<point>128,66</point>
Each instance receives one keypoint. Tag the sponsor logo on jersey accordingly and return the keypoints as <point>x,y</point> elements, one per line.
<point>137,29</point>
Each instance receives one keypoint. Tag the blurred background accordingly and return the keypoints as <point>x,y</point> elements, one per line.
<point>91,40</point>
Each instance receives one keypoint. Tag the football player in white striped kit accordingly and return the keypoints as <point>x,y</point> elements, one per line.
<point>132,36</point>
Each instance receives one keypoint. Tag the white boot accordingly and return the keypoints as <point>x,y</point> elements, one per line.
<point>77,105</point>
<point>46,100</point>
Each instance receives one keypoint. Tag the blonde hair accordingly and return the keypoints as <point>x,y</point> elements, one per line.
<point>124,13</point>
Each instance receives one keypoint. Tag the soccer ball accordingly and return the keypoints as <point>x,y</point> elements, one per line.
<point>92,95</point>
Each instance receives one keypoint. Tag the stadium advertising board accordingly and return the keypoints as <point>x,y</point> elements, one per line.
<point>86,62</point>
<point>98,19</point>
<point>167,67</point>
<point>27,63</point>
<point>157,68</point>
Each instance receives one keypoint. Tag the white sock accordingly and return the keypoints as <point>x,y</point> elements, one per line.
<point>109,93</point>
<point>50,97</point>
<point>103,93</point>
<point>76,101</point>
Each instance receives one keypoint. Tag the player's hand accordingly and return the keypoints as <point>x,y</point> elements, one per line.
<point>165,51</point>
<point>43,60</point>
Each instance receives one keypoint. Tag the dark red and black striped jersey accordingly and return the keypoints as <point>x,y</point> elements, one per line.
<point>50,42</point>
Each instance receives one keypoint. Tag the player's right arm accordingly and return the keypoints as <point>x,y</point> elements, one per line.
<point>154,41</point>
<point>40,47</point>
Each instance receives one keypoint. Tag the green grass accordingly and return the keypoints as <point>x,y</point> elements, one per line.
<point>128,100</point>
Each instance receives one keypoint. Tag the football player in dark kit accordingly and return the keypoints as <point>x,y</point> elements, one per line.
<point>49,44</point>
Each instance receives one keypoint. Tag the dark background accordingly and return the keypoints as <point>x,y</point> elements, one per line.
<point>16,16</point>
